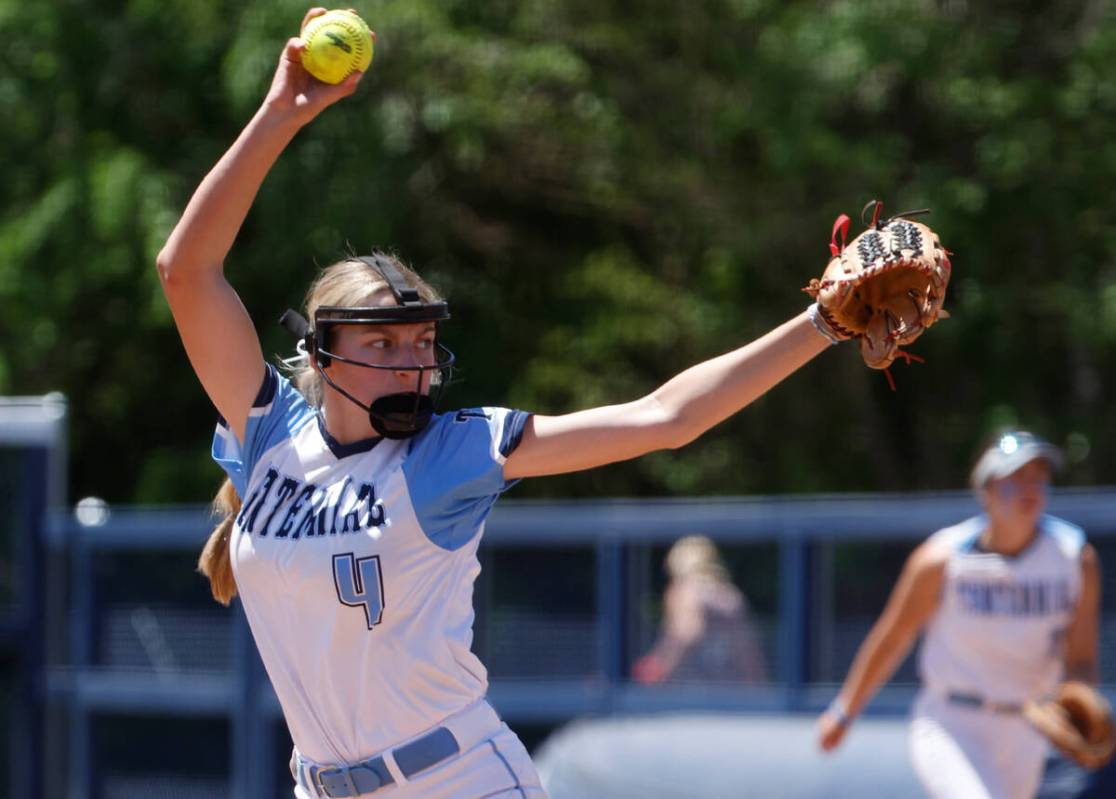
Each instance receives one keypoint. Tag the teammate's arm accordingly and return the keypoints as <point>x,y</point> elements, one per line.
<point>674,414</point>
<point>1081,637</point>
<point>216,331</point>
<point>683,625</point>
<point>913,601</point>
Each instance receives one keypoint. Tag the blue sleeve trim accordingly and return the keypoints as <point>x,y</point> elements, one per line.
<point>265,395</point>
<point>514,424</point>
<point>268,388</point>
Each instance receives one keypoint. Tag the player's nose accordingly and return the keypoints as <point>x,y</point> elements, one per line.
<point>415,379</point>
<point>407,377</point>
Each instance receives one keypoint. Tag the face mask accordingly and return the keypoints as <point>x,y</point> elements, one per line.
<point>400,415</point>
<point>395,416</point>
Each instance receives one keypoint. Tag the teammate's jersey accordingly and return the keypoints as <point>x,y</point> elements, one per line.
<point>999,630</point>
<point>355,565</point>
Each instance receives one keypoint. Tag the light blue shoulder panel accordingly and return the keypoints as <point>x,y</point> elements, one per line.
<point>455,470</point>
<point>1069,537</point>
<point>964,535</point>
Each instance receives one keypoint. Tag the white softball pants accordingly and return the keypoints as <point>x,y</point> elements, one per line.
<point>492,764</point>
<point>962,752</point>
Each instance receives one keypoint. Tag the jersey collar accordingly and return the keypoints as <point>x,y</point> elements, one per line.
<point>340,450</point>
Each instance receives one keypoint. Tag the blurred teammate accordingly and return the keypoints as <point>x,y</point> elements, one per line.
<point>355,548</point>
<point>1008,601</point>
<point>707,633</point>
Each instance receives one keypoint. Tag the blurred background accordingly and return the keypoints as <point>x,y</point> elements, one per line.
<point>607,192</point>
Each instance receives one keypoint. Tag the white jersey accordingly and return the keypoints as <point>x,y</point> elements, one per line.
<point>999,630</point>
<point>355,565</point>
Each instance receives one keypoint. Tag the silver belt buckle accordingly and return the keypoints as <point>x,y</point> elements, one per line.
<point>350,785</point>
<point>317,776</point>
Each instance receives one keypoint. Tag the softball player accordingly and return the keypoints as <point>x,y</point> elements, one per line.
<point>1008,601</point>
<point>354,550</point>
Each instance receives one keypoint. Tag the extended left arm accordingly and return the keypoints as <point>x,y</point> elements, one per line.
<point>674,414</point>
<point>1081,637</point>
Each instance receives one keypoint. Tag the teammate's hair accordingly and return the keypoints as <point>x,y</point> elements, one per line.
<point>214,560</point>
<point>349,282</point>
<point>696,556</point>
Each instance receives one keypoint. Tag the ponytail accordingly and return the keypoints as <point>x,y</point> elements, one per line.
<point>214,560</point>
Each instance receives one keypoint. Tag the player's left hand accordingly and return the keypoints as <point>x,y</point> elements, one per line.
<point>884,288</point>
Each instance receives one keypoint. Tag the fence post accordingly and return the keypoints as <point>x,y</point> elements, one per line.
<point>82,620</point>
<point>611,609</point>
<point>246,753</point>
<point>794,605</point>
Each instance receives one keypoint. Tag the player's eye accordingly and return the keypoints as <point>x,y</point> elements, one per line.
<point>425,343</point>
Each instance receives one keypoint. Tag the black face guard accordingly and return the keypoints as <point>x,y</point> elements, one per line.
<point>395,416</point>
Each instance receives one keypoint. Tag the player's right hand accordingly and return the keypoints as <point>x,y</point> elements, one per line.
<point>294,91</point>
<point>831,731</point>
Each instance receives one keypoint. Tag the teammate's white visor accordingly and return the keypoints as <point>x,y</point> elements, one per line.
<point>1009,453</point>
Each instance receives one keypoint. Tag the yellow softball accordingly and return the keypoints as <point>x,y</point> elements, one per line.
<point>337,44</point>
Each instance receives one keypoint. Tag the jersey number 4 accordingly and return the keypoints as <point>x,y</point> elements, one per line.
<point>360,585</point>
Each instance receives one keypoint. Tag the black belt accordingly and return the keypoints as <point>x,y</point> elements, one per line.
<point>338,782</point>
<point>978,702</point>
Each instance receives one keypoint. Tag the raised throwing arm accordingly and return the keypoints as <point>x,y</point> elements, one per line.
<point>216,330</point>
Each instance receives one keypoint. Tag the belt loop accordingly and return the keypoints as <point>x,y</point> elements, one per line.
<point>299,771</point>
<point>393,767</point>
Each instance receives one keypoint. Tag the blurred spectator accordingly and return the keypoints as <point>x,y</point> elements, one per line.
<point>707,633</point>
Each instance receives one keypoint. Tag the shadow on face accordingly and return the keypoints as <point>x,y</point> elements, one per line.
<point>1020,497</point>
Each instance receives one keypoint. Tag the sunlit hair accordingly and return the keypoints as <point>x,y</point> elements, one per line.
<point>696,556</point>
<point>352,283</point>
<point>214,560</point>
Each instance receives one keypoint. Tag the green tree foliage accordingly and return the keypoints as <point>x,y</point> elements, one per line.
<point>607,193</point>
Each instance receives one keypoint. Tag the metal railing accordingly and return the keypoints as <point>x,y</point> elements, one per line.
<point>800,527</point>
